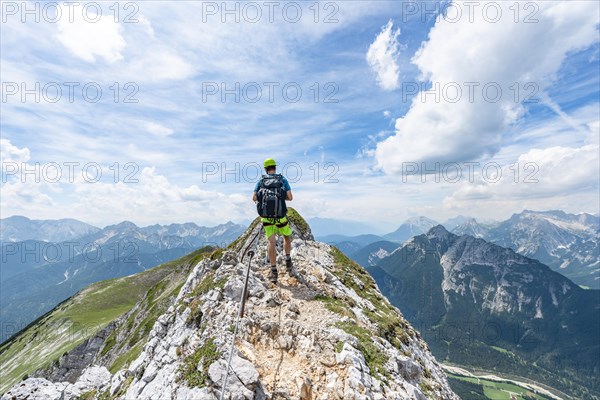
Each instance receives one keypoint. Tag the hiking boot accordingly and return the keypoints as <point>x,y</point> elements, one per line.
<point>273,275</point>
<point>289,267</point>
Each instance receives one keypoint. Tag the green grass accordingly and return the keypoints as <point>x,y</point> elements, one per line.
<point>466,390</point>
<point>388,321</point>
<point>134,332</point>
<point>109,343</point>
<point>338,306</point>
<point>374,357</point>
<point>144,327</point>
<point>82,315</point>
<point>390,324</point>
<point>204,355</point>
<point>88,395</point>
<point>493,393</point>
<point>295,218</point>
<point>126,358</point>
<point>356,277</point>
<point>207,284</point>
<point>426,387</point>
<point>195,317</point>
<point>237,243</point>
<point>218,253</point>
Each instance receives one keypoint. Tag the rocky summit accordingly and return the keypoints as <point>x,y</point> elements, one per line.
<point>324,333</point>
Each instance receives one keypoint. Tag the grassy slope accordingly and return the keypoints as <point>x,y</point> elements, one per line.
<point>79,317</point>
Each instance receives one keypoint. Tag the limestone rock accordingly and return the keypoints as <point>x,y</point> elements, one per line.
<point>36,389</point>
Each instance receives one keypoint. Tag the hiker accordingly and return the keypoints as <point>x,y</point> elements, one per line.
<point>270,195</point>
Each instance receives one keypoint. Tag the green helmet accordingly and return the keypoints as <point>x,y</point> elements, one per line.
<point>269,162</point>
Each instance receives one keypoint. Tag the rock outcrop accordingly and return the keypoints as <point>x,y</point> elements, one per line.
<point>93,380</point>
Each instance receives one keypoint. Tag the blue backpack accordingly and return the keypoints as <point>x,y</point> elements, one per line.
<point>271,196</point>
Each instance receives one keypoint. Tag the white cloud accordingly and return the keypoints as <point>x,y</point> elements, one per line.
<point>556,177</point>
<point>382,55</point>
<point>159,64</point>
<point>170,54</point>
<point>21,190</point>
<point>12,154</point>
<point>556,174</point>
<point>501,54</point>
<point>92,36</point>
<point>157,129</point>
<point>579,128</point>
<point>152,199</point>
<point>24,198</point>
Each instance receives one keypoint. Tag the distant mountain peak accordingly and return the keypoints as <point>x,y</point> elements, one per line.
<point>121,226</point>
<point>419,219</point>
<point>18,228</point>
<point>411,227</point>
<point>126,224</point>
<point>451,223</point>
<point>14,218</point>
<point>439,232</point>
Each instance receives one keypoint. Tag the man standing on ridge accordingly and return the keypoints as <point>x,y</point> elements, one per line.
<point>270,195</point>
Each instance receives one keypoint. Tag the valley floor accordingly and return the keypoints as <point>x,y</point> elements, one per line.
<point>496,387</point>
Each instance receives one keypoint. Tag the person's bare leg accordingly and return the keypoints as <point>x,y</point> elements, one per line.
<point>272,250</point>
<point>289,265</point>
<point>287,244</point>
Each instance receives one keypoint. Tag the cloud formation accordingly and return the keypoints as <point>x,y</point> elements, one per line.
<point>491,57</point>
<point>382,57</point>
<point>10,153</point>
<point>90,35</point>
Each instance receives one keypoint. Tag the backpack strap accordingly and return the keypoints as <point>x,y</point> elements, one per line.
<point>275,222</point>
<point>262,181</point>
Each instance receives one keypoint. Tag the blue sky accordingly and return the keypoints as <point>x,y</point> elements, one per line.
<point>371,58</point>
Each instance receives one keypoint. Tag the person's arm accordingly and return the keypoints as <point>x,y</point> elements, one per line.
<point>255,196</point>
<point>288,190</point>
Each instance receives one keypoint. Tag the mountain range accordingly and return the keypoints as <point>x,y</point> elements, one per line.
<point>18,228</point>
<point>169,332</point>
<point>487,307</point>
<point>474,291</point>
<point>567,243</point>
<point>37,274</point>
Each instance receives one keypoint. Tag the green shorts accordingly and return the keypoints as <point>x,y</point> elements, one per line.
<point>271,227</point>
